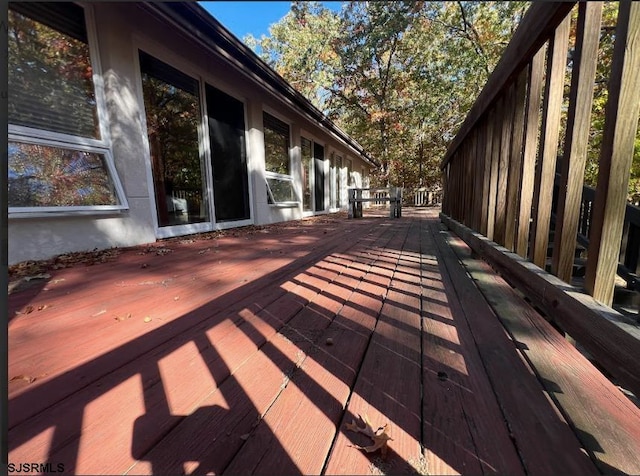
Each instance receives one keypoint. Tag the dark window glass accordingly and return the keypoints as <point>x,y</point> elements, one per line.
<point>276,144</point>
<point>172,109</point>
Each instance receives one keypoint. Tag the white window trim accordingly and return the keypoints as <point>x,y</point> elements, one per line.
<point>274,175</point>
<point>28,211</point>
<point>87,144</point>
<point>285,178</point>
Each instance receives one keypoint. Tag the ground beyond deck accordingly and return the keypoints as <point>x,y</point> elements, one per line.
<point>251,351</point>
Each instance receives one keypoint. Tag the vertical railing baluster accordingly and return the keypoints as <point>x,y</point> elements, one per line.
<point>576,138</point>
<point>545,171</point>
<point>616,154</point>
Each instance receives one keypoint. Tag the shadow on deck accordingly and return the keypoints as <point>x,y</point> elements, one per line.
<point>250,354</point>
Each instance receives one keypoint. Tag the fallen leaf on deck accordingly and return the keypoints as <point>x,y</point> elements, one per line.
<point>147,319</point>
<point>26,378</point>
<point>379,436</point>
<point>37,276</point>
<point>245,437</point>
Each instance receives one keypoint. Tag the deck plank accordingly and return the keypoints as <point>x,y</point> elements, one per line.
<point>460,408</point>
<point>303,419</point>
<point>239,377</point>
<point>545,442</point>
<point>289,348</point>
<point>605,420</point>
<point>387,389</point>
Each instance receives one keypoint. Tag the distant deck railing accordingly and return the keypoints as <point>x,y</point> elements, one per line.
<point>499,173</point>
<point>422,197</point>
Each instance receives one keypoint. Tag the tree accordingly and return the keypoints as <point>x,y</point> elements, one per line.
<point>399,77</point>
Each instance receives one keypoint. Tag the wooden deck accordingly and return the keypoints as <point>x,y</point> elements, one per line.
<point>250,352</point>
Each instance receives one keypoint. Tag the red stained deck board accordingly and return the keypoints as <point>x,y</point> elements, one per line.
<point>50,358</point>
<point>387,389</point>
<point>544,441</point>
<point>305,328</point>
<point>302,422</point>
<point>464,429</point>
<point>228,353</point>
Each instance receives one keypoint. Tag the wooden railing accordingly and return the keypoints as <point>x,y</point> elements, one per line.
<point>422,197</point>
<point>500,168</point>
<point>499,171</point>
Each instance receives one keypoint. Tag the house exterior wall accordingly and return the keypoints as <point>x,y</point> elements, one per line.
<point>121,30</point>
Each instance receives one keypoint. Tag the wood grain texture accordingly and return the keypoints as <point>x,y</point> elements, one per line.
<point>534,101</point>
<point>487,135</point>
<point>478,174</point>
<point>621,123</point>
<point>515,161</point>
<point>506,128</point>
<point>545,174</point>
<point>604,419</point>
<point>495,164</point>
<point>612,339</point>
<point>576,138</point>
<point>554,448</point>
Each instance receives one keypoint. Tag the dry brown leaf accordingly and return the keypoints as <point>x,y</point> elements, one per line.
<point>379,436</point>
<point>37,276</point>
<point>26,378</point>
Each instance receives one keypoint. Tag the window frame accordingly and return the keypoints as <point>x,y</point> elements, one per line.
<point>278,176</point>
<point>102,146</point>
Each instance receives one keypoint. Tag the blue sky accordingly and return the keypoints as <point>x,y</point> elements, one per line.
<point>252,17</point>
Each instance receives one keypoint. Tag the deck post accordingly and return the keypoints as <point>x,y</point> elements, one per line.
<point>352,202</point>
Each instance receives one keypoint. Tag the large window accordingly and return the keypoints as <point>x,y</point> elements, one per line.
<point>59,159</point>
<point>172,109</point>
<point>277,162</point>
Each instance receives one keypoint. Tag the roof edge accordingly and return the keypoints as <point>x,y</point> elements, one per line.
<point>202,23</point>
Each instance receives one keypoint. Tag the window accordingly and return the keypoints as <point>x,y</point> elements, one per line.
<point>59,159</point>
<point>307,171</point>
<point>340,190</point>
<point>172,111</point>
<point>277,163</point>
